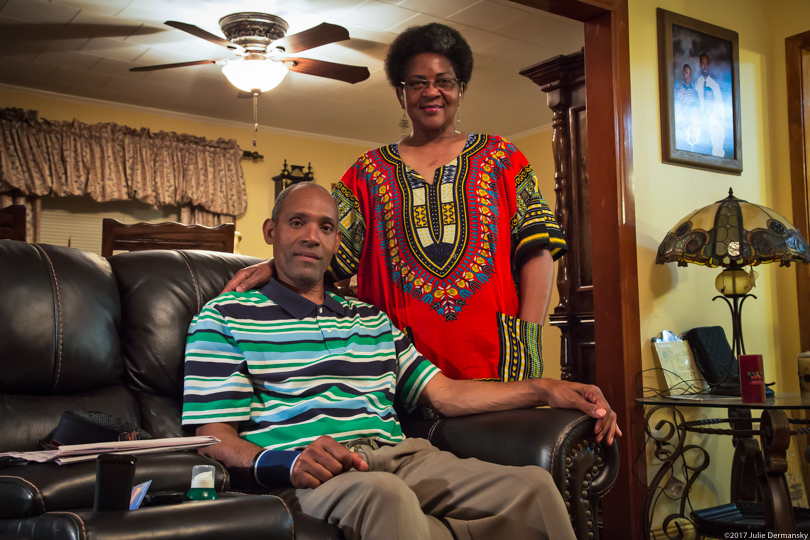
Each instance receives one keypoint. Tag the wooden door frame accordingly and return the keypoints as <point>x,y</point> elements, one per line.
<point>800,190</point>
<point>613,230</point>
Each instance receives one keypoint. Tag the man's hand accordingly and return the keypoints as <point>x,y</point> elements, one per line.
<point>247,278</point>
<point>322,460</point>
<point>588,399</point>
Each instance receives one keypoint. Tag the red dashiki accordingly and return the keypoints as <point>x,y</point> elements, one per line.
<point>442,259</point>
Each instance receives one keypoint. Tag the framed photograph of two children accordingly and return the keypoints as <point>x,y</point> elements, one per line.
<point>699,84</point>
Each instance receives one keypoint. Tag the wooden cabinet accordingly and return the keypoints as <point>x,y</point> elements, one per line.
<point>563,80</point>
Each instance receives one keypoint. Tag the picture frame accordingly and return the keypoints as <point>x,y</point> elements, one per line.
<point>699,87</point>
<point>677,364</point>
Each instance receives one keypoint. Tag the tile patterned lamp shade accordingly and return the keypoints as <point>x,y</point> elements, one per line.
<point>733,233</point>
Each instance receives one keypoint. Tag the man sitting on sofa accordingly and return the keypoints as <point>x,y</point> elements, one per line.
<point>298,384</point>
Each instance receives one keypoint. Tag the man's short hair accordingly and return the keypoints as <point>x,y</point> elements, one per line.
<point>289,189</point>
<point>703,54</point>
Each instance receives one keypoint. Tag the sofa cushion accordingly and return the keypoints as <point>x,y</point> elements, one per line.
<point>59,347</point>
<point>61,313</point>
<point>243,517</point>
<point>157,308</point>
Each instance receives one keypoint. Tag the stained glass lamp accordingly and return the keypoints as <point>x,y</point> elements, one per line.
<point>733,233</point>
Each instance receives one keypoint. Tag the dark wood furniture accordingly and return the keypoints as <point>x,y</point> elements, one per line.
<point>563,80</point>
<point>12,222</point>
<point>117,236</point>
<point>798,90</point>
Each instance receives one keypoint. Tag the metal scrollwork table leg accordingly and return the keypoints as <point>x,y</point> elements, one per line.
<point>767,463</point>
<point>670,449</point>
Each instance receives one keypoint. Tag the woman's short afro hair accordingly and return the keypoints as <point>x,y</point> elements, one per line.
<point>430,38</point>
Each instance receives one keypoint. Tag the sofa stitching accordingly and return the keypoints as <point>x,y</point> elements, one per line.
<point>289,514</point>
<point>432,429</point>
<point>37,492</point>
<point>560,438</point>
<point>604,470</point>
<point>58,316</point>
<point>193,280</point>
<point>78,518</point>
<point>602,495</point>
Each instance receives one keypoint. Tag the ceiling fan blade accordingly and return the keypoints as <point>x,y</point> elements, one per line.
<point>330,70</point>
<point>316,36</point>
<point>51,32</point>
<point>178,64</point>
<point>196,31</point>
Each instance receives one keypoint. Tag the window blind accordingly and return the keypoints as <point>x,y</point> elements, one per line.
<point>76,221</point>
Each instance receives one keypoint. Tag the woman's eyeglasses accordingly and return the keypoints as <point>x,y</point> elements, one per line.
<point>418,85</point>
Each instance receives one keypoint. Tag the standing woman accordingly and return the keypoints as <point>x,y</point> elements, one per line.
<point>446,230</point>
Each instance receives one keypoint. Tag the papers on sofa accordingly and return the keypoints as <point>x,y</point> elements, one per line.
<point>72,453</point>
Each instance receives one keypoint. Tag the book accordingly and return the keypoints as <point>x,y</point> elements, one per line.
<point>678,365</point>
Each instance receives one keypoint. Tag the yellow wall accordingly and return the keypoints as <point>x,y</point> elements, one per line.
<point>538,151</point>
<point>329,159</point>
<point>676,298</point>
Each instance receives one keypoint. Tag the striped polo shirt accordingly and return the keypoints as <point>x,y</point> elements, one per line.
<point>289,370</point>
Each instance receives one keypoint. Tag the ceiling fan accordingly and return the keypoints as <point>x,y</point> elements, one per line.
<point>262,46</point>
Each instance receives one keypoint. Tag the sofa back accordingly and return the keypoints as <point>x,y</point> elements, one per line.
<point>80,332</point>
<point>160,293</point>
<point>59,347</point>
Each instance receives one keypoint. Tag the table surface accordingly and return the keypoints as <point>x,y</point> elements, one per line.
<point>780,401</point>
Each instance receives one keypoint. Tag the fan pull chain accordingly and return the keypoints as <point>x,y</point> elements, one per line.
<point>255,116</point>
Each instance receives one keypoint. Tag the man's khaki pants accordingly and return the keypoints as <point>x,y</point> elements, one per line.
<point>414,491</point>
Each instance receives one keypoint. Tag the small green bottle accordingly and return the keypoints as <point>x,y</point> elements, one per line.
<point>202,484</point>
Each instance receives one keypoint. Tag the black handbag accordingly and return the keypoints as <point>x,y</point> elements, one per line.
<point>85,427</point>
<point>715,359</point>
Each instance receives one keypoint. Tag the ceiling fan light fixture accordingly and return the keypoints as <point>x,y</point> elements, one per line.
<point>251,74</point>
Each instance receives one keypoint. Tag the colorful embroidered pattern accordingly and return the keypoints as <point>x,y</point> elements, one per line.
<point>521,349</point>
<point>534,220</point>
<point>446,227</point>
<point>353,228</point>
<point>442,257</point>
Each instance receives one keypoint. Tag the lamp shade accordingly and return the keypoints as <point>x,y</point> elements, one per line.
<point>732,233</point>
<point>255,72</point>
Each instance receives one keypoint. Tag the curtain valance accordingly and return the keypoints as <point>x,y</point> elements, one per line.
<point>111,162</point>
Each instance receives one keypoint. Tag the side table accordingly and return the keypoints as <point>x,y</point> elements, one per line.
<point>760,501</point>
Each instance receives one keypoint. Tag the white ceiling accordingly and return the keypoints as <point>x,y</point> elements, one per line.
<point>86,47</point>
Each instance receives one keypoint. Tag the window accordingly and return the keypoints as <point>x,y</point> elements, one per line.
<point>76,221</point>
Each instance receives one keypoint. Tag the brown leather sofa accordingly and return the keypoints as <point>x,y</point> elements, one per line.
<point>80,332</point>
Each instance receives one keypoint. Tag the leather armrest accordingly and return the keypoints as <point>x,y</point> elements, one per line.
<point>35,488</point>
<point>243,517</point>
<point>562,441</point>
<point>543,437</point>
